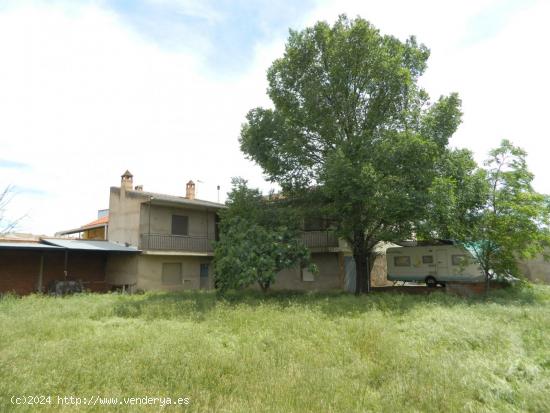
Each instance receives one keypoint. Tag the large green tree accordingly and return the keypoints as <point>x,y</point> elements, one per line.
<point>352,129</point>
<point>259,237</point>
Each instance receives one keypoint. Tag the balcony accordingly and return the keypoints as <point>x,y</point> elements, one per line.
<point>167,242</point>
<point>319,239</point>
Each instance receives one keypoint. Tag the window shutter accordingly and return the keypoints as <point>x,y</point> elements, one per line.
<point>180,225</point>
<point>171,273</point>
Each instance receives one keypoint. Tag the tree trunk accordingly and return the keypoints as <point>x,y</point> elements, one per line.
<point>361,262</point>
<point>487,283</point>
<point>264,286</point>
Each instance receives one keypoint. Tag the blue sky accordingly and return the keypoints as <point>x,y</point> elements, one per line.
<point>6,163</point>
<point>493,18</point>
<point>226,31</point>
<point>161,87</point>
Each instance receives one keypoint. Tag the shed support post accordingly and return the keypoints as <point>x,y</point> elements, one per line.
<point>41,274</point>
<point>65,273</point>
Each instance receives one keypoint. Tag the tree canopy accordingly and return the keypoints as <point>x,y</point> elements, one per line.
<point>352,128</point>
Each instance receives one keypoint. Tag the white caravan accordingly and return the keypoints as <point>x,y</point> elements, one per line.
<point>435,264</point>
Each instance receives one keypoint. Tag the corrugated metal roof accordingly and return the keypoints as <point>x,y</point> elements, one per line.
<point>27,246</point>
<point>89,245</point>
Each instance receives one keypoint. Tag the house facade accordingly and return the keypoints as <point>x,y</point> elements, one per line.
<point>175,235</point>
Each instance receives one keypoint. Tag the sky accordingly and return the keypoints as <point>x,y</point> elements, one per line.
<point>91,88</point>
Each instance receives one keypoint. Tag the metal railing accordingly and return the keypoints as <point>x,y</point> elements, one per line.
<point>168,242</point>
<point>319,239</point>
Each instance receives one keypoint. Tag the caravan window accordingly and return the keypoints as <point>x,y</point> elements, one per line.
<point>402,261</point>
<point>459,259</point>
<point>427,259</point>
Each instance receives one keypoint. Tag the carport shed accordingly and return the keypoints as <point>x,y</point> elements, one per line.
<point>27,267</point>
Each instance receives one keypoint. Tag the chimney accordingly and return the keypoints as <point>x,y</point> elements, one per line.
<point>127,181</point>
<point>190,190</point>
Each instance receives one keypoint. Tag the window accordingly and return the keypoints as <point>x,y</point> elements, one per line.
<point>307,276</point>
<point>427,259</point>
<point>171,273</point>
<point>180,225</point>
<point>402,261</point>
<point>459,259</point>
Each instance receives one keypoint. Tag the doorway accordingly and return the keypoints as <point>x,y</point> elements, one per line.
<point>204,282</point>
<point>442,266</point>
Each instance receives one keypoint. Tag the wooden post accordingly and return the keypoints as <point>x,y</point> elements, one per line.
<point>65,273</point>
<point>41,273</point>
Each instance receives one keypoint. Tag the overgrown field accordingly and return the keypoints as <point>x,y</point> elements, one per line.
<point>281,353</point>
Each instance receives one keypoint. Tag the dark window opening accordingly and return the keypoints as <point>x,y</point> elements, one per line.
<point>180,225</point>
<point>427,259</point>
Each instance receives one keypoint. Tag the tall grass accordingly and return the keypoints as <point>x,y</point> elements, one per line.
<point>247,352</point>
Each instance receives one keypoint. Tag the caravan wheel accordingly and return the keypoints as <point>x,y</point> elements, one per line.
<point>431,282</point>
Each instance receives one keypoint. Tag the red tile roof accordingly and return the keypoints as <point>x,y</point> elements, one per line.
<point>99,221</point>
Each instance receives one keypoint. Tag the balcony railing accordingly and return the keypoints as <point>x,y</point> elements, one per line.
<point>167,242</point>
<point>176,243</point>
<point>319,239</point>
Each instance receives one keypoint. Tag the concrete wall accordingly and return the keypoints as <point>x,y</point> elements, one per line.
<point>149,275</point>
<point>122,269</point>
<point>330,276</point>
<point>536,270</point>
<point>201,222</point>
<point>124,216</point>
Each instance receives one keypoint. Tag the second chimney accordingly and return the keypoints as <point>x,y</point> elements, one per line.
<point>126,180</point>
<point>190,190</point>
